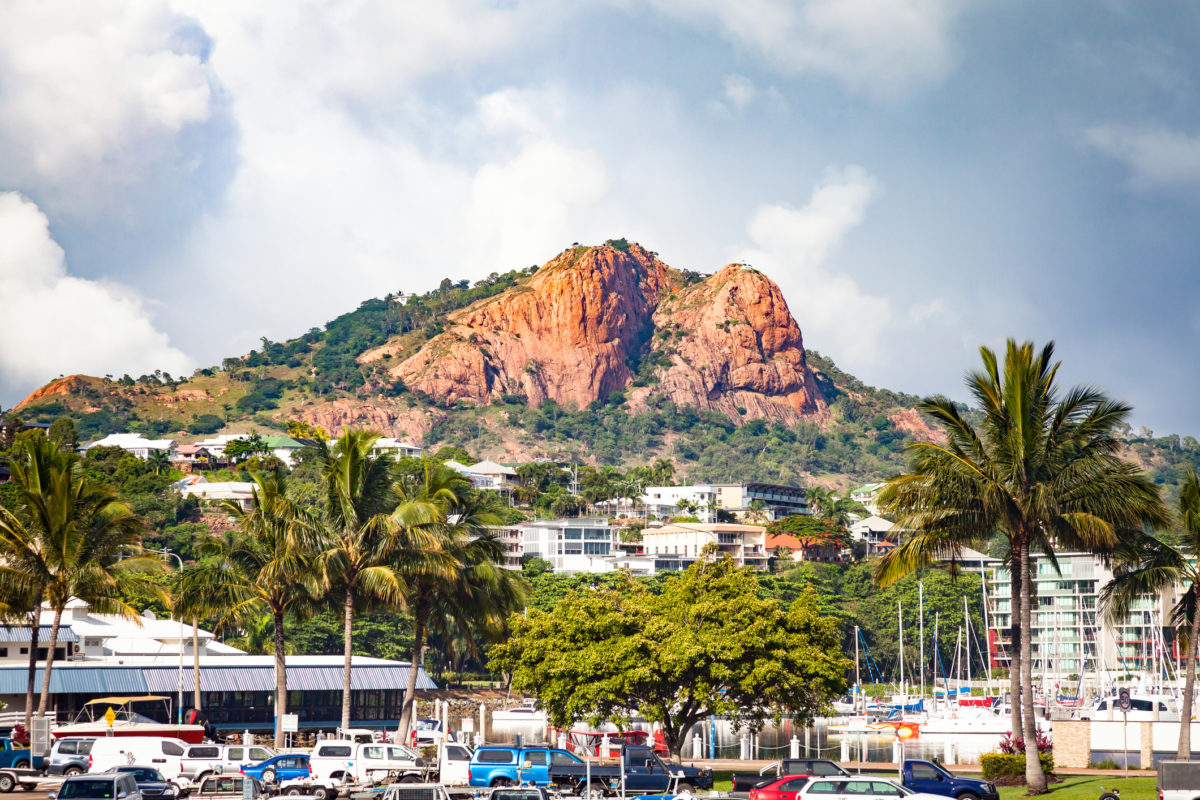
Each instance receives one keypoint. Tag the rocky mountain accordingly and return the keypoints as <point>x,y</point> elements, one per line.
<point>603,353</point>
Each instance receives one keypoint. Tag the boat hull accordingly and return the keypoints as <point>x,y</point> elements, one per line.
<point>193,734</point>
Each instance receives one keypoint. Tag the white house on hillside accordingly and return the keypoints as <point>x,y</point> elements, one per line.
<point>133,443</point>
<point>396,447</point>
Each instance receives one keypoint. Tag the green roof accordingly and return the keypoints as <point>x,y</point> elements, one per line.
<point>277,442</point>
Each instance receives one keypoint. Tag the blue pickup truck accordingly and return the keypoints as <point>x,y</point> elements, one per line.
<point>640,769</point>
<point>930,778</point>
<point>14,757</point>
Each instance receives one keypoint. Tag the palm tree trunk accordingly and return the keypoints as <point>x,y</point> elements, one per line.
<point>45,698</point>
<point>1035,778</point>
<point>348,645</point>
<point>195,665</point>
<point>1014,655</point>
<point>280,681</point>
<point>1189,688</point>
<point>31,680</point>
<point>410,691</point>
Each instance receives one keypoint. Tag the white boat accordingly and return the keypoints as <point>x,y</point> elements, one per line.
<point>526,712</point>
<point>92,720</point>
<point>1142,708</point>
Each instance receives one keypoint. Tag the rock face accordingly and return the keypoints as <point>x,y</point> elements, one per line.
<point>581,325</point>
<point>383,418</point>
<point>72,384</point>
<point>566,335</point>
<point>733,347</point>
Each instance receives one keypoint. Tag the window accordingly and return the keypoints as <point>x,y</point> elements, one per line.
<point>454,753</point>
<point>205,751</point>
<point>171,749</point>
<point>85,746</point>
<point>794,784</point>
<point>858,787</point>
<point>825,787</point>
<point>885,789</point>
<point>400,754</point>
<point>493,756</point>
<point>235,753</point>
<point>259,754</point>
<point>24,651</point>
<point>924,772</point>
<point>68,748</point>
<point>3,652</point>
<point>537,758</point>
<point>373,752</point>
<point>558,758</point>
<point>334,751</point>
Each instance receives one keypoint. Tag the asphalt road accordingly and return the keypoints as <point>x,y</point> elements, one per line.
<point>19,795</point>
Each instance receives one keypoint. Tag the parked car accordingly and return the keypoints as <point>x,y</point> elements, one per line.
<point>150,782</point>
<point>745,781</point>
<point>518,793</point>
<point>165,755</point>
<point>221,759</point>
<point>69,756</point>
<point>454,769</point>
<point>226,787</point>
<point>13,756</point>
<point>784,788</point>
<point>1178,780</point>
<point>641,770</point>
<point>279,769</point>
<point>344,760</point>
<point>416,791</point>
<point>931,778</point>
<point>111,786</point>
<point>860,787</point>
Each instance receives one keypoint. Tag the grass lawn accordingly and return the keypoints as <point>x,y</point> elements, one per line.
<point>1087,787</point>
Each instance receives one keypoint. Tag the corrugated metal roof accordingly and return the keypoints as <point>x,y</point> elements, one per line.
<point>77,680</point>
<point>99,681</point>
<point>16,633</point>
<point>299,678</point>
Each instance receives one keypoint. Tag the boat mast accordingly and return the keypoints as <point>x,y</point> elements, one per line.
<point>857,680</point>
<point>967,639</point>
<point>921,623</point>
<point>900,622</point>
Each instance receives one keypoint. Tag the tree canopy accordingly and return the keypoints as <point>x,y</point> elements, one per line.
<point>706,643</point>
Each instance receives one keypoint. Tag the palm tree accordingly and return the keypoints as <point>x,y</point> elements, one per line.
<point>1148,565</point>
<point>70,538</point>
<point>160,461</point>
<point>363,528</point>
<point>1040,469</point>
<point>459,586</point>
<point>826,504</point>
<point>757,510</point>
<point>268,570</point>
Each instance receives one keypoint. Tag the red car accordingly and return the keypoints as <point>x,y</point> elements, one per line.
<point>784,788</point>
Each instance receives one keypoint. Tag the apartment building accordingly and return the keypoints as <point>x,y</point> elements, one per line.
<point>1070,634</point>
<point>705,500</point>
<point>571,545</point>
<point>678,546</point>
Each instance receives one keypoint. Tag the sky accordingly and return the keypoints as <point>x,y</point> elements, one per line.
<point>179,179</point>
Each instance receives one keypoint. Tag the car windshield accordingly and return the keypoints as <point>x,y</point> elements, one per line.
<point>95,788</point>
<point>516,794</point>
<point>143,774</point>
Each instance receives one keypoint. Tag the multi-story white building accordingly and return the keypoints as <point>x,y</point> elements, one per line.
<point>395,447</point>
<point>680,545</point>
<point>705,500</point>
<point>570,545</point>
<point>867,495</point>
<point>511,540</point>
<point>1070,633</point>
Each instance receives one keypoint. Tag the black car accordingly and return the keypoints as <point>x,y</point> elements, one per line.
<point>150,782</point>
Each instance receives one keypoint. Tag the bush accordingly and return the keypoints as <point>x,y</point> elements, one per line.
<point>1107,763</point>
<point>1009,770</point>
<point>206,424</point>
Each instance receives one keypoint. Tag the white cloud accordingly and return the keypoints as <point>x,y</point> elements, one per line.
<point>794,247</point>
<point>54,323</point>
<point>1155,156</point>
<point>880,47</point>
<point>91,92</point>
<point>739,91</point>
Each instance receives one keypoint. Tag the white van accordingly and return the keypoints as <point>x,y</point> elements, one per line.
<point>165,755</point>
<point>347,761</point>
<point>221,759</point>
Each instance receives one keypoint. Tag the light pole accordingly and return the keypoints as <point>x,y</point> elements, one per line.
<point>179,682</point>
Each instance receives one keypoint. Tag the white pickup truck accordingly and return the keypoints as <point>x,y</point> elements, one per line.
<point>1179,780</point>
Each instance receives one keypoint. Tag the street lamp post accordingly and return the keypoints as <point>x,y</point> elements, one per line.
<point>179,681</point>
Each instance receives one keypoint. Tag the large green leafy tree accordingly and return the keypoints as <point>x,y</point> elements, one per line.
<point>1041,469</point>
<point>1148,565</point>
<point>69,538</point>
<point>707,643</point>
<point>268,568</point>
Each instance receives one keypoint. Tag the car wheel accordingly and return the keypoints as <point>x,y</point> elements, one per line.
<point>593,791</point>
<point>71,772</point>
<point>501,782</point>
<point>685,787</point>
<point>322,793</point>
<point>28,787</point>
<point>21,765</point>
<point>295,791</point>
<point>7,783</point>
<point>410,779</point>
<point>268,776</point>
<point>967,796</point>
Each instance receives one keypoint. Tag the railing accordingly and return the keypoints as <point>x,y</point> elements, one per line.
<point>10,718</point>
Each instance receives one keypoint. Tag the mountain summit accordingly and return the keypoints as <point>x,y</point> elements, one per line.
<point>598,320</point>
